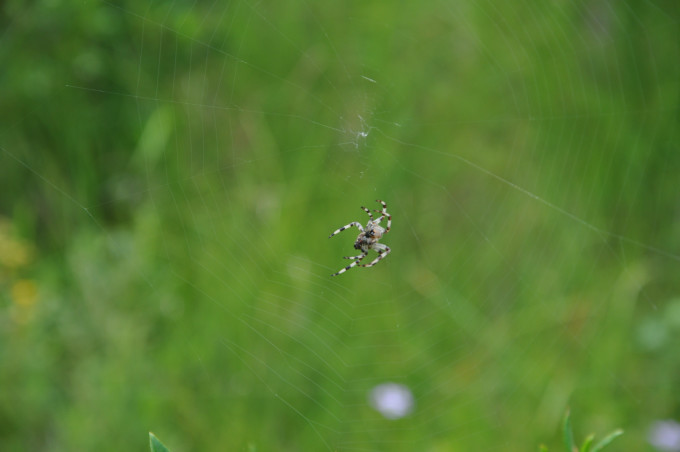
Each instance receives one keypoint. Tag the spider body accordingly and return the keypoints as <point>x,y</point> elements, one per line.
<point>368,238</point>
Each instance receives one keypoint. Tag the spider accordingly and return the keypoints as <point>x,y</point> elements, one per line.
<point>368,238</point>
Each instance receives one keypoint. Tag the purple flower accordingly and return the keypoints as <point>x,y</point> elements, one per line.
<point>665,435</point>
<point>392,400</point>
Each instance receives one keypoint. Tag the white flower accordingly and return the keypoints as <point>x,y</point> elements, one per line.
<point>392,400</point>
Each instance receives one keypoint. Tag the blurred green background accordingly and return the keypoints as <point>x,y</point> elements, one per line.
<point>170,172</point>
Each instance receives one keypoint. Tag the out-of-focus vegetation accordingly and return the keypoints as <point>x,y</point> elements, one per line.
<point>588,444</point>
<point>169,173</point>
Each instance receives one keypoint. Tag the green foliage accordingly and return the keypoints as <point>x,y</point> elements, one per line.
<point>587,446</point>
<point>169,173</point>
<point>568,434</point>
<point>156,445</point>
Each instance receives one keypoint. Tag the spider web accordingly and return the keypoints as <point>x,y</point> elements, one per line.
<point>527,154</point>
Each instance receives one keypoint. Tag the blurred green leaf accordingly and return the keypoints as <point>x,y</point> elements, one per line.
<point>568,437</point>
<point>607,439</point>
<point>587,443</point>
<point>154,139</point>
<point>567,433</point>
<point>156,444</point>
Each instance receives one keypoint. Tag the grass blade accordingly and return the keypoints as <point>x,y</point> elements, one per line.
<point>156,444</point>
<point>567,433</point>
<point>607,439</point>
<point>587,443</point>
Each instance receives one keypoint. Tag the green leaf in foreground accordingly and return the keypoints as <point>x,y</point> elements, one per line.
<point>607,439</point>
<point>567,433</point>
<point>587,446</point>
<point>587,443</point>
<point>156,444</point>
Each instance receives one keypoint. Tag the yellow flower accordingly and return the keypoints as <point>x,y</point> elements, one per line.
<point>14,253</point>
<point>24,293</point>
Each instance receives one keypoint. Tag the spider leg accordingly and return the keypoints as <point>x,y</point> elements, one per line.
<point>370,215</point>
<point>384,214</point>
<point>359,257</point>
<point>353,223</point>
<point>383,251</point>
<point>353,264</point>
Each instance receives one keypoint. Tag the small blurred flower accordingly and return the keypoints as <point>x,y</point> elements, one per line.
<point>665,435</point>
<point>392,400</point>
<point>24,295</point>
<point>14,252</point>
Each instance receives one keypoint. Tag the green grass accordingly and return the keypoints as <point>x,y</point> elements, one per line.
<point>569,446</point>
<point>170,172</point>
<point>587,446</point>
